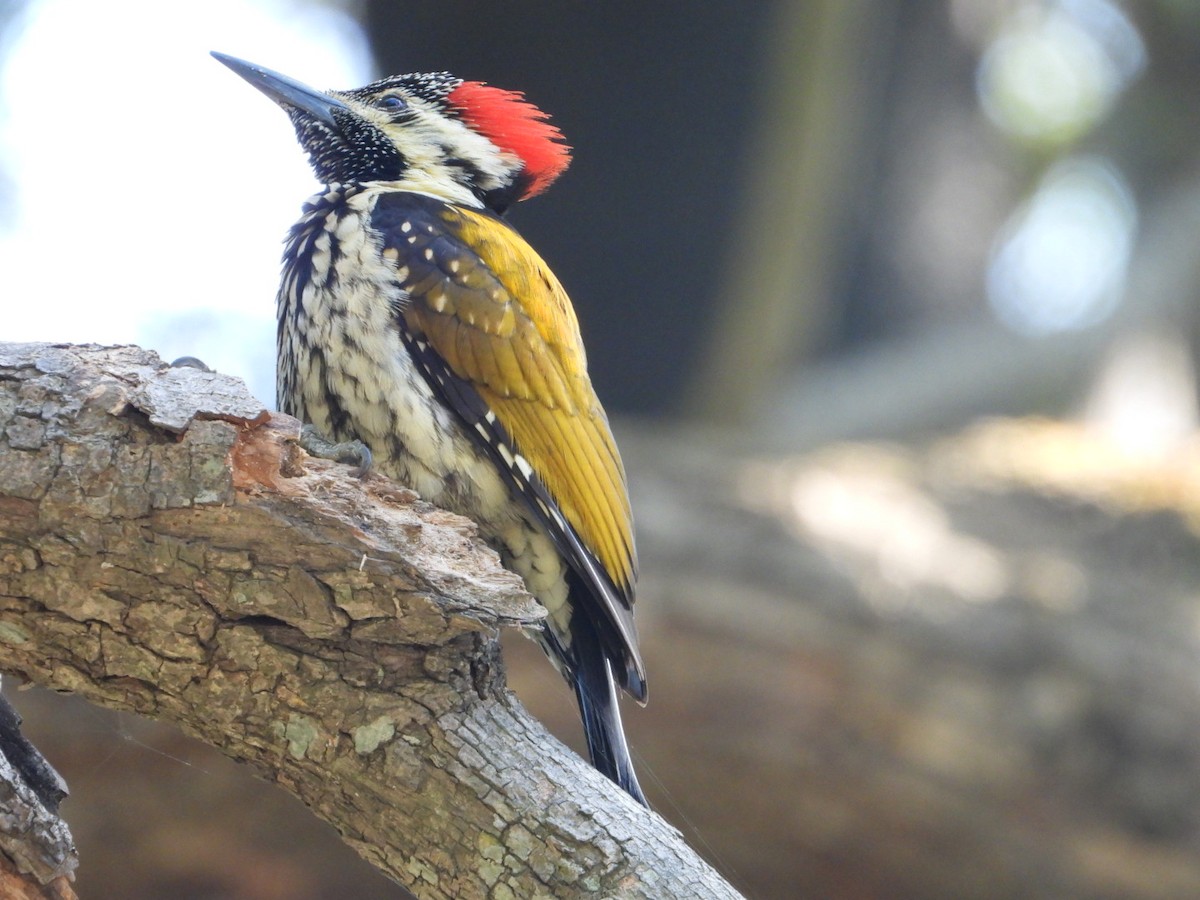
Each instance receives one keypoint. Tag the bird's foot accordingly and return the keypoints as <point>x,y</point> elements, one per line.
<point>351,453</point>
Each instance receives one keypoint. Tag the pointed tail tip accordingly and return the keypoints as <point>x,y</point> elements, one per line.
<point>629,782</point>
<point>618,768</point>
<point>596,691</point>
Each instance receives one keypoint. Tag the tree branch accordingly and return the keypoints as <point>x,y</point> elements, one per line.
<point>165,548</point>
<point>37,853</point>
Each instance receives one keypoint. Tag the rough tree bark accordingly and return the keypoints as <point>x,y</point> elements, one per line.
<point>37,853</point>
<point>166,549</point>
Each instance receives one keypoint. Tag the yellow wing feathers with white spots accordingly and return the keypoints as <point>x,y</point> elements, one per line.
<point>494,312</point>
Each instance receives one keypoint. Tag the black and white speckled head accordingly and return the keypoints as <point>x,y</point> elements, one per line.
<point>463,141</point>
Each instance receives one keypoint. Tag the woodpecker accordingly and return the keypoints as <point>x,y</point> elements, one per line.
<point>414,319</point>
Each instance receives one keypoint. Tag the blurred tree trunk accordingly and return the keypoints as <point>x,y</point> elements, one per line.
<point>811,152</point>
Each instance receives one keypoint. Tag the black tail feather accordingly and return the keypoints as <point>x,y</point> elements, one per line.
<point>596,691</point>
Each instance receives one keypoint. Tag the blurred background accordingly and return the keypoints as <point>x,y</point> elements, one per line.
<point>894,306</point>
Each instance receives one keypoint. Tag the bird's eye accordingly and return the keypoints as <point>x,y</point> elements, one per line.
<point>392,103</point>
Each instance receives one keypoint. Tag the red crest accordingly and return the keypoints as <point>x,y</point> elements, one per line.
<point>514,124</point>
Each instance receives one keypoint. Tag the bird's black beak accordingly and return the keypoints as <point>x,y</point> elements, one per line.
<point>286,91</point>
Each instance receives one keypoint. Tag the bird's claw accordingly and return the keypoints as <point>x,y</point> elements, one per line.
<point>351,453</point>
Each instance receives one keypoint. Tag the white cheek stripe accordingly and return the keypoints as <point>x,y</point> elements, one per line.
<point>421,139</point>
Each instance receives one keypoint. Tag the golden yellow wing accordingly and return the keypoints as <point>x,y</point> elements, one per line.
<point>483,305</point>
